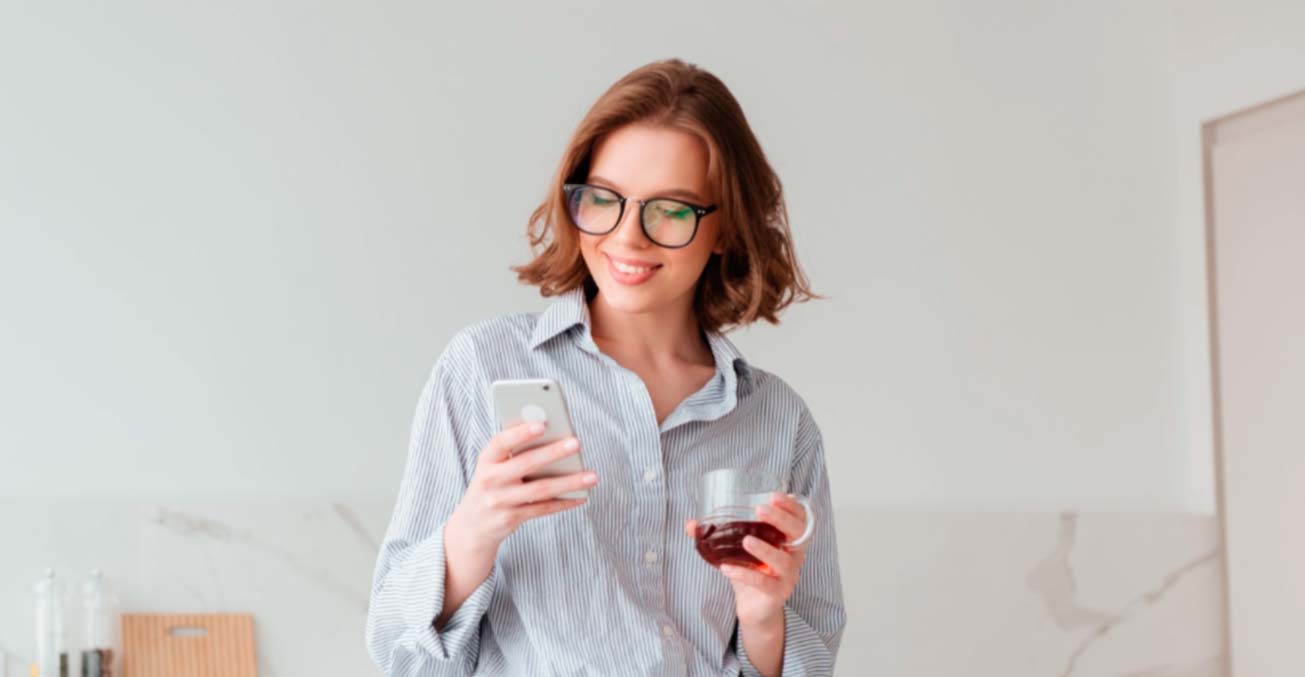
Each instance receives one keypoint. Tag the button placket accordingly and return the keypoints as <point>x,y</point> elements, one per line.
<point>649,528</point>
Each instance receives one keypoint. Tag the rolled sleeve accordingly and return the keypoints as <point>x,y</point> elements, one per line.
<point>814,616</point>
<point>408,582</point>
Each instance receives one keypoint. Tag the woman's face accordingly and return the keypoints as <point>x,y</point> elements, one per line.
<point>640,162</point>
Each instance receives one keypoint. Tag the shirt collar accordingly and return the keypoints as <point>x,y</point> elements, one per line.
<point>567,310</point>
<point>570,309</point>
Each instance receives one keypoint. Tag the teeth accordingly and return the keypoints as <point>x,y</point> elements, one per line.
<point>630,270</point>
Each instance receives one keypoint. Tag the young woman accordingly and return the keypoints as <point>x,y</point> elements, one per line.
<point>663,227</point>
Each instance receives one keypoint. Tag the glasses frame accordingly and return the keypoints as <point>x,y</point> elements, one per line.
<point>699,211</point>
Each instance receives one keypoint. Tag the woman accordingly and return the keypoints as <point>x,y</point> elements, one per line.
<point>664,226</point>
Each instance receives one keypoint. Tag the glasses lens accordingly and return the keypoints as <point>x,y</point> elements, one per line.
<point>594,210</point>
<point>669,222</point>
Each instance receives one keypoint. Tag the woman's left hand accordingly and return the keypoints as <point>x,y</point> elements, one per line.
<point>760,594</point>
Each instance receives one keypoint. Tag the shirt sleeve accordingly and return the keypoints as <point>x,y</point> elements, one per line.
<point>814,615</point>
<point>408,583</point>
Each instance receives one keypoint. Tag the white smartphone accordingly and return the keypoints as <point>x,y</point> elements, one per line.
<point>518,401</point>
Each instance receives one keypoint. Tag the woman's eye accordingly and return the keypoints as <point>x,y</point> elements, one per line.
<point>681,213</point>
<point>602,202</point>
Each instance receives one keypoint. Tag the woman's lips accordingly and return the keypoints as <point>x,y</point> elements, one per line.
<point>632,275</point>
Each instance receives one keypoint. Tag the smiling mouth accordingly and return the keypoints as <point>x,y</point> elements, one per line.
<point>628,274</point>
<point>633,270</point>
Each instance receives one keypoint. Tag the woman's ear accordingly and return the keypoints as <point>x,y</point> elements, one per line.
<point>718,240</point>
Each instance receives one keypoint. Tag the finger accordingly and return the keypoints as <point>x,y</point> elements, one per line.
<point>751,577</point>
<point>790,505</point>
<point>782,520</point>
<point>501,445</point>
<point>691,528</point>
<point>779,561</point>
<point>542,508</point>
<point>544,488</point>
<point>527,462</point>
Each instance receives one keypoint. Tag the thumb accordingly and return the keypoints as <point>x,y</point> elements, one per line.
<point>690,526</point>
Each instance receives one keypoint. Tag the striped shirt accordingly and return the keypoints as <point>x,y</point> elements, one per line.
<point>613,587</point>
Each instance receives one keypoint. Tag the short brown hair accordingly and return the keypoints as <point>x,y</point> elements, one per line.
<point>758,274</point>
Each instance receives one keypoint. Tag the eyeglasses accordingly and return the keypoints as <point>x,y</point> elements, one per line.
<point>669,223</point>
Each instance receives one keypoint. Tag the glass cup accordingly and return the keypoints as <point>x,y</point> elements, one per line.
<point>727,512</point>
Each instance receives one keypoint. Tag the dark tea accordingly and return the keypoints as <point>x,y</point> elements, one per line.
<point>722,542</point>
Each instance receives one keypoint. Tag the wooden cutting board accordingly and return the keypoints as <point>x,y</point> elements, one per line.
<point>188,645</point>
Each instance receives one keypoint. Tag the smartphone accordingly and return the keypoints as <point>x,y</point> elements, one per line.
<point>518,401</point>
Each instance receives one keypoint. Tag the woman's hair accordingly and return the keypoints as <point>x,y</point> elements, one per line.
<point>758,274</point>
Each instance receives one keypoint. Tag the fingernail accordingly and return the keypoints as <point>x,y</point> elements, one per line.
<point>590,478</point>
<point>572,444</point>
<point>537,428</point>
<point>727,569</point>
<point>763,510</point>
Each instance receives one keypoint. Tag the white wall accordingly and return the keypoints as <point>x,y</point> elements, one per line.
<point>233,237</point>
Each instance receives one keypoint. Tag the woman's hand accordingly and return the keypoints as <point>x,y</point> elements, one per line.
<point>498,499</point>
<point>760,594</point>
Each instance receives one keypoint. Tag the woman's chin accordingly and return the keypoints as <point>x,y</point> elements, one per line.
<point>620,298</point>
<point>627,299</point>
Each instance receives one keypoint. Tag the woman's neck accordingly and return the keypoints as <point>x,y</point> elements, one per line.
<point>666,335</point>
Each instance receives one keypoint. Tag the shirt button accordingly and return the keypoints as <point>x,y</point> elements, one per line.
<point>650,556</point>
<point>668,630</point>
<point>649,474</point>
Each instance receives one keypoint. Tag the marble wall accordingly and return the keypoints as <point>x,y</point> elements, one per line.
<point>1031,594</point>
<point>929,592</point>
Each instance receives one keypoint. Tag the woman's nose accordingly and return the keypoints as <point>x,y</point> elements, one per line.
<point>629,230</point>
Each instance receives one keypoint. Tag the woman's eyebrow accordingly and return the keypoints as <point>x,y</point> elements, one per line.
<point>673,192</point>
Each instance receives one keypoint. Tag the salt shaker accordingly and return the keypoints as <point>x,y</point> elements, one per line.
<point>99,628</point>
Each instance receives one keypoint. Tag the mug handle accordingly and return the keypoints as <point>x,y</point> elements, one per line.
<point>811,521</point>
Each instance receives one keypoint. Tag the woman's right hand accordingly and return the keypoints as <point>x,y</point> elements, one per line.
<point>499,499</point>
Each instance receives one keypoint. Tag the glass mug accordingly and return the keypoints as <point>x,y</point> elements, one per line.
<point>727,502</point>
